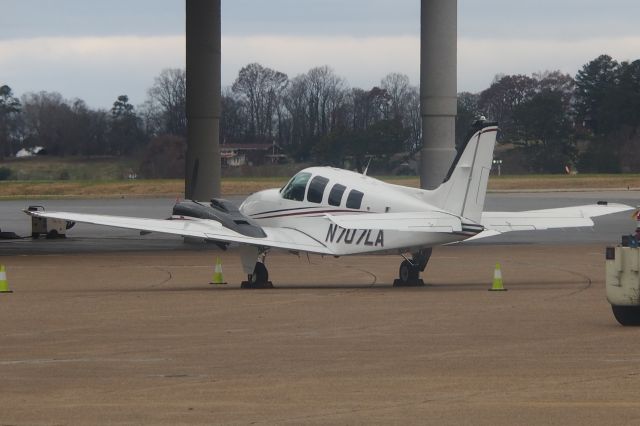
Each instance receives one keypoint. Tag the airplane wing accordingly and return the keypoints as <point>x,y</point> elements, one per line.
<point>431,221</point>
<point>496,223</point>
<point>281,238</point>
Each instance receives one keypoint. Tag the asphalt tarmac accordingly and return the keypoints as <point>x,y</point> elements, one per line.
<point>104,330</point>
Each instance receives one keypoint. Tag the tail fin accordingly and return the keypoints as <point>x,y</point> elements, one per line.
<point>463,190</point>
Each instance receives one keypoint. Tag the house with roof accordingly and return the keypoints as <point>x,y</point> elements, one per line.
<point>251,154</point>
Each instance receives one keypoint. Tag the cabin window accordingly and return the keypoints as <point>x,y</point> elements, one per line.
<point>335,196</point>
<point>316,189</point>
<point>296,187</point>
<point>354,201</point>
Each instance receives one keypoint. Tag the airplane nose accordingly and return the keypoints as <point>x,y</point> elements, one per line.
<point>247,205</point>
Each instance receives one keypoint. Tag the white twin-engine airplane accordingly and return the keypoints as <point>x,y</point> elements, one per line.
<point>336,212</point>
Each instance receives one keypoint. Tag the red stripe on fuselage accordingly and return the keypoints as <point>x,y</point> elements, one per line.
<point>314,213</point>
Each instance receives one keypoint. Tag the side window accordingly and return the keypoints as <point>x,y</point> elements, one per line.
<point>316,189</point>
<point>335,196</point>
<point>355,199</point>
<point>296,187</point>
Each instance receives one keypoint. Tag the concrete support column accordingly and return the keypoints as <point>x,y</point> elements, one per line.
<point>438,88</point>
<point>203,99</point>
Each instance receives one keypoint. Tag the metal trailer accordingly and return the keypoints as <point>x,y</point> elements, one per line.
<point>623,281</point>
<point>51,228</point>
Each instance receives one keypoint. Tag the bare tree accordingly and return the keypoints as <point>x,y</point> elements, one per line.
<point>261,89</point>
<point>233,123</point>
<point>78,129</point>
<point>556,81</point>
<point>9,113</point>
<point>63,127</point>
<point>167,98</point>
<point>369,107</point>
<point>468,113</point>
<point>326,92</point>
<point>296,101</point>
<point>398,88</point>
<point>413,120</point>
<point>499,101</point>
<point>46,117</point>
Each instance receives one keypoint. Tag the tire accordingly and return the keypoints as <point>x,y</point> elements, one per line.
<point>627,315</point>
<point>260,274</point>
<point>408,273</point>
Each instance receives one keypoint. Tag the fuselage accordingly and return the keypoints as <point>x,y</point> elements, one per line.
<point>314,193</point>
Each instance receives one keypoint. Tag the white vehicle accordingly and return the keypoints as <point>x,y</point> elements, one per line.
<point>336,212</point>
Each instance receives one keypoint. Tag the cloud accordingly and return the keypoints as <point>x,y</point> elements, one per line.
<point>480,59</point>
<point>98,69</point>
<point>362,61</point>
<point>548,19</point>
<point>82,18</point>
<point>365,61</point>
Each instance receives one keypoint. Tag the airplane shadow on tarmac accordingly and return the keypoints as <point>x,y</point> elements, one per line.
<point>576,284</point>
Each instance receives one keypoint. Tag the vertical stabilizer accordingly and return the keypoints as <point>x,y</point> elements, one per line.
<point>464,190</point>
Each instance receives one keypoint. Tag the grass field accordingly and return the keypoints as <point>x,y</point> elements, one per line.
<point>242,186</point>
<point>68,168</point>
<point>50,177</point>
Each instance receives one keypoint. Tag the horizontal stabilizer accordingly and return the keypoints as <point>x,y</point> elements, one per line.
<point>532,220</point>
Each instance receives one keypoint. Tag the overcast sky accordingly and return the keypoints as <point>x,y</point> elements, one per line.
<point>99,50</point>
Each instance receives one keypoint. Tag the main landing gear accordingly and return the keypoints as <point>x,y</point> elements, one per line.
<point>259,278</point>
<point>409,274</point>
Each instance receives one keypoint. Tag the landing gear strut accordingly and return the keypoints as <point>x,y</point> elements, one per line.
<point>409,274</point>
<point>259,278</point>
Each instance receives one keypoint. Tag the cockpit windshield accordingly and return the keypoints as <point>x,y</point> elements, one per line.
<point>296,187</point>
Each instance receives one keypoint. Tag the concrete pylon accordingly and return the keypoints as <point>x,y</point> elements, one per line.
<point>438,88</point>
<point>203,99</point>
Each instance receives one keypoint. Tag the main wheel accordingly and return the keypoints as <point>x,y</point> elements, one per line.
<point>260,274</point>
<point>408,272</point>
<point>626,315</point>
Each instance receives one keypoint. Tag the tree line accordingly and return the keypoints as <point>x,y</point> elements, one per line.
<point>548,120</point>
<point>552,120</point>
